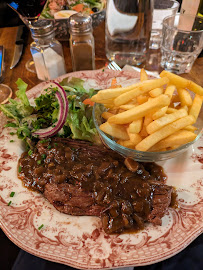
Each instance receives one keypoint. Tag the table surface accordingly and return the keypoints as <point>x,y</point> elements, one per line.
<point>7,39</point>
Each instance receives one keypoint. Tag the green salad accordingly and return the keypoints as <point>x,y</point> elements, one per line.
<point>84,6</point>
<point>63,110</point>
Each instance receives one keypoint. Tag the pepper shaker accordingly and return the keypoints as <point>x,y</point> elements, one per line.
<point>46,51</point>
<point>81,42</point>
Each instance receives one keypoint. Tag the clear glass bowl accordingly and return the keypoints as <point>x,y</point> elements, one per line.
<point>140,155</point>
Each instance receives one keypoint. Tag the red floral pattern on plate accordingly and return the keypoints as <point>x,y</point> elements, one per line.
<point>80,241</point>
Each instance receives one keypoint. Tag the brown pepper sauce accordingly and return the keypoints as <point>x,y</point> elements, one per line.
<point>123,193</point>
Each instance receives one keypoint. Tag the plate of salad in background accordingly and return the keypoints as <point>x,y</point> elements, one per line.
<point>60,10</point>
<point>84,6</point>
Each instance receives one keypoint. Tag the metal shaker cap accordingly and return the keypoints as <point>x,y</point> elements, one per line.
<point>80,23</point>
<point>41,28</point>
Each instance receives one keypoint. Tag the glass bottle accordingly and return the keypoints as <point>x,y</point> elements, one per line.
<point>46,51</point>
<point>81,42</point>
<point>128,29</point>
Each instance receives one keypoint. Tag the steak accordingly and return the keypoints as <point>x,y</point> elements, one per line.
<point>79,178</point>
<point>72,200</point>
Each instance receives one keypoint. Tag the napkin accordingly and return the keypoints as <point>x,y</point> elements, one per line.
<point>118,22</point>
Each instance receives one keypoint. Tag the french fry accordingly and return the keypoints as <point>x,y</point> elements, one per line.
<point>115,131</point>
<point>127,144</point>
<point>143,88</point>
<point>160,150</point>
<point>132,101</point>
<point>142,99</point>
<point>174,79</point>
<point>114,110</point>
<point>178,138</point>
<point>156,92</point>
<point>113,93</point>
<point>127,106</point>
<point>106,115</point>
<point>161,112</point>
<point>185,108</point>
<point>173,147</point>
<point>121,110</point>
<point>164,132</point>
<point>140,111</point>
<point>134,138</point>
<point>111,106</point>
<point>136,126</point>
<point>182,83</point>
<point>170,90</point>
<point>190,128</point>
<point>105,101</point>
<point>143,75</point>
<point>147,120</point>
<point>185,98</point>
<point>171,110</point>
<point>165,120</point>
<point>196,106</point>
<point>197,89</point>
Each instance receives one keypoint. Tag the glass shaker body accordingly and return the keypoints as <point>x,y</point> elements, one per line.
<point>48,56</point>
<point>81,42</point>
<point>128,29</point>
<point>82,51</point>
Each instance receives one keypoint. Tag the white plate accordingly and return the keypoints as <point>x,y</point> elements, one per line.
<point>80,241</point>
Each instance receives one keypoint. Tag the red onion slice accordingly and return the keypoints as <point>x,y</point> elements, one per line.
<point>63,112</point>
<point>65,99</point>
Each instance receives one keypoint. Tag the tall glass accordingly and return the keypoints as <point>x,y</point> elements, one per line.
<point>128,28</point>
<point>28,11</point>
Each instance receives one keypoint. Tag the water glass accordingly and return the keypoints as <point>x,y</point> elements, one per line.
<point>162,9</point>
<point>182,42</point>
<point>128,27</point>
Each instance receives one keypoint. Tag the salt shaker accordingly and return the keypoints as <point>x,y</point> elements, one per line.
<point>81,42</point>
<point>46,51</point>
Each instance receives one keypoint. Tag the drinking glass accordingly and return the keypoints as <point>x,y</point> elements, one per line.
<point>182,42</point>
<point>127,33</point>
<point>28,11</point>
<point>162,9</point>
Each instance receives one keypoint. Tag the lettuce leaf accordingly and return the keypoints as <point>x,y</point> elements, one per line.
<point>26,119</point>
<point>79,119</point>
<point>24,105</point>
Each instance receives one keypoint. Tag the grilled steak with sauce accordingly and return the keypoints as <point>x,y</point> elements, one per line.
<point>79,178</point>
<point>72,200</point>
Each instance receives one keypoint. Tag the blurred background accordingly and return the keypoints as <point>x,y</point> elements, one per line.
<point>7,16</point>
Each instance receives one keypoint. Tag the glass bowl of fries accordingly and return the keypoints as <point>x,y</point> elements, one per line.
<point>142,156</point>
<point>166,132</point>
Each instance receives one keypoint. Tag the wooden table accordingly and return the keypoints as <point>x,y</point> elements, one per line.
<point>7,39</point>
